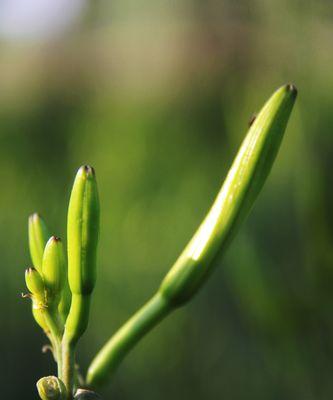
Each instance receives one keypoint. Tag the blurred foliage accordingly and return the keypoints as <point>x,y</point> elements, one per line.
<point>157,96</point>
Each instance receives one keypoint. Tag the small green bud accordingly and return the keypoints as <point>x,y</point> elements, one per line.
<point>51,388</point>
<point>54,269</point>
<point>235,199</point>
<point>38,235</point>
<point>35,284</point>
<point>82,232</point>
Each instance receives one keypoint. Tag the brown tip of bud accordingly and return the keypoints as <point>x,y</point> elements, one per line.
<point>30,270</point>
<point>292,88</point>
<point>87,170</point>
<point>33,217</point>
<point>55,239</point>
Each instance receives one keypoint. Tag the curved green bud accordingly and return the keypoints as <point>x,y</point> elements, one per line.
<point>35,284</point>
<point>83,394</point>
<point>38,236</point>
<point>54,269</point>
<point>82,232</point>
<point>235,199</point>
<point>51,388</point>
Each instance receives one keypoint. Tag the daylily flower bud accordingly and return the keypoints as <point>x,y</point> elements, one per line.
<point>82,236</point>
<point>235,199</point>
<point>54,269</point>
<point>35,284</point>
<point>82,232</point>
<point>38,236</point>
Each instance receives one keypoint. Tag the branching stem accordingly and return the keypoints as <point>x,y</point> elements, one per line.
<point>127,336</point>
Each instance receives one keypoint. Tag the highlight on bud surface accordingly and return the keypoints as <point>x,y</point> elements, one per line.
<point>38,236</point>
<point>54,269</point>
<point>235,199</point>
<point>51,388</point>
<point>82,232</point>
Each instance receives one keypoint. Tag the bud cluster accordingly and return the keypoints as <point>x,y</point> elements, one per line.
<point>61,290</point>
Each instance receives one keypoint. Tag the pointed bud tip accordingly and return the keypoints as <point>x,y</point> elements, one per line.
<point>30,270</point>
<point>53,241</point>
<point>290,87</point>
<point>34,216</point>
<point>86,170</point>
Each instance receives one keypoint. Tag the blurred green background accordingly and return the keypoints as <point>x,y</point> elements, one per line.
<point>156,95</point>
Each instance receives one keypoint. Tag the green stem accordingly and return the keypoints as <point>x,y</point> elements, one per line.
<point>127,336</point>
<point>55,331</point>
<point>76,324</point>
<point>68,366</point>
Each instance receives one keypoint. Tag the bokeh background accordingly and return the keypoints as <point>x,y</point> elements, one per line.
<point>157,95</point>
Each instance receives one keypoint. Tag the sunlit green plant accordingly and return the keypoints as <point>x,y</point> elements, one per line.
<point>61,291</point>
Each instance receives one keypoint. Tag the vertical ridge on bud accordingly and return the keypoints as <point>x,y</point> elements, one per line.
<point>65,300</point>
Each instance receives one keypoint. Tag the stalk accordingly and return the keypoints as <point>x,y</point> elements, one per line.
<point>241,187</point>
<point>126,338</point>
<point>56,333</point>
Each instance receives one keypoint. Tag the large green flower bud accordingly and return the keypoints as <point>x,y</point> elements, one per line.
<point>235,199</point>
<point>82,236</point>
<point>54,270</point>
<point>82,232</point>
<point>38,236</point>
<point>51,388</point>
